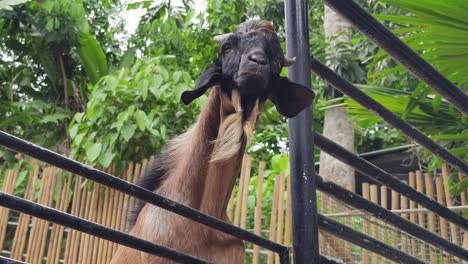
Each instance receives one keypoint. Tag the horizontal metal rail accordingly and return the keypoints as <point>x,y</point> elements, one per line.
<point>40,153</point>
<point>359,96</point>
<point>389,217</point>
<point>89,227</point>
<point>395,211</point>
<point>365,241</point>
<point>383,177</point>
<point>5,260</point>
<point>326,260</point>
<point>383,37</point>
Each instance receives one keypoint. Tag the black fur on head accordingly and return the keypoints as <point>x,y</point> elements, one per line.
<point>250,60</point>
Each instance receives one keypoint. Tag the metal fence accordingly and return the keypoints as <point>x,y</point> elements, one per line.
<point>304,182</point>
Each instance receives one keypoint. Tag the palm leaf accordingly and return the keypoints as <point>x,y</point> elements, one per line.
<point>436,29</point>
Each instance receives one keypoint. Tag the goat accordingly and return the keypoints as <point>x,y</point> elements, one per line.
<point>199,168</point>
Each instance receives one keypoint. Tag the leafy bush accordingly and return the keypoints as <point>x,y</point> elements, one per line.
<point>132,113</point>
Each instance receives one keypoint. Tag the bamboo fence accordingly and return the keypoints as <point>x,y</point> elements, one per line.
<point>264,209</point>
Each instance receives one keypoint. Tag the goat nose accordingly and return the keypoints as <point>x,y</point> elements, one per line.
<point>258,57</point>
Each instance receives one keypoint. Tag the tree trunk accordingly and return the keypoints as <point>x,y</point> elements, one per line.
<point>340,129</point>
<point>337,125</point>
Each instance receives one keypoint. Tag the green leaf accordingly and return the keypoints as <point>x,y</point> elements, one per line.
<point>77,140</point>
<point>280,163</point>
<point>73,131</point>
<point>55,117</point>
<point>106,159</point>
<point>93,57</point>
<point>112,82</point>
<point>127,131</point>
<point>456,189</point>
<point>163,131</point>
<point>141,119</point>
<point>93,151</point>
<point>176,76</point>
<point>143,88</point>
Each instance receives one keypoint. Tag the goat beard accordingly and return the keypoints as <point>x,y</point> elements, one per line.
<point>234,133</point>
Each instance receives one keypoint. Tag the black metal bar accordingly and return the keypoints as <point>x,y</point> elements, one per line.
<point>303,198</point>
<point>383,177</point>
<point>383,37</point>
<point>285,257</point>
<point>106,179</point>
<point>89,227</point>
<point>365,241</point>
<point>389,217</point>
<point>5,260</point>
<point>326,260</point>
<point>359,96</point>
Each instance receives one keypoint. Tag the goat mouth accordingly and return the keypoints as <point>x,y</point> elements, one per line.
<point>251,84</point>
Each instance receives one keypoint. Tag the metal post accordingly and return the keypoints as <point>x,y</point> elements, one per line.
<point>304,208</point>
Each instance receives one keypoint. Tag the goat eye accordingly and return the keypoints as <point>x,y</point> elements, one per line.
<point>226,48</point>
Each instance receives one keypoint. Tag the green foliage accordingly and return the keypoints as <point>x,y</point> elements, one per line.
<point>8,4</point>
<point>132,113</point>
<point>436,118</point>
<point>49,53</point>
<point>438,30</point>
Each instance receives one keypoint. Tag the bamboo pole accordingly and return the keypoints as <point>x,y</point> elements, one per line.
<point>366,195</point>
<point>81,212</point>
<point>432,218</point>
<point>245,193</point>
<point>118,208</point>
<point>413,216</point>
<point>374,196</point>
<point>43,226</point>
<point>449,201</point>
<point>280,225</point>
<point>8,187</point>
<point>36,241</point>
<point>384,204</point>
<point>34,221</point>
<point>109,222</point>
<point>440,194</point>
<point>53,236</point>
<point>239,193</point>
<point>258,210</point>
<point>123,210</point>
<point>85,237</point>
<point>395,206</point>
<point>98,244</point>
<point>102,242</point>
<point>273,217</point>
<point>53,254</point>
<point>96,218</point>
<point>92,217</point>
<point>288,222</point>
<point>463,198</point>
<point>441,199</point>
<point>421,216</point>
<point>404,237</point>
<point>19,240</point>
<point>74,211</point>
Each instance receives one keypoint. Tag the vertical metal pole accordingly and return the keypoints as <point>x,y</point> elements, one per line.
<point>304,207</point>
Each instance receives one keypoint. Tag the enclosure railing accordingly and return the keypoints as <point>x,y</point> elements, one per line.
<point>418,66</point>
<point>305,218</point>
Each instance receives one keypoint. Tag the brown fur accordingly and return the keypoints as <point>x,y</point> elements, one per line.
<point>191,179</point>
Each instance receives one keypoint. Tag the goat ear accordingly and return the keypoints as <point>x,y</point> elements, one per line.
<point>209,77</point>
<point>290,98</point>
